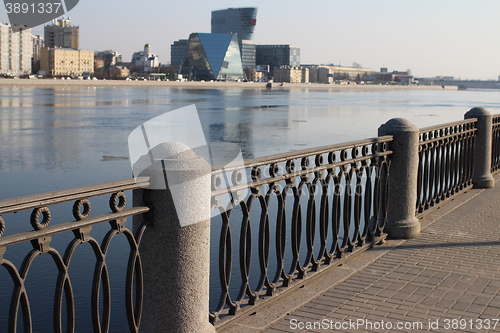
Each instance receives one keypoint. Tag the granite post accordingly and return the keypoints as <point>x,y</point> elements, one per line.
<point>402,222</point>
<point>482,177</point>
<point>175,247</point>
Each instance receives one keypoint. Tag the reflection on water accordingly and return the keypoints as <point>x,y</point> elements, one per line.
<point>52,131</point>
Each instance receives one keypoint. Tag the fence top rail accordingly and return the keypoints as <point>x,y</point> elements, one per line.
<point>52,198</point>
<point>283,157</point>
<point>69,226</point>
<point>447,125</point>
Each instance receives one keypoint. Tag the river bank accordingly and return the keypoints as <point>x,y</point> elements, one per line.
<point>206,85</point>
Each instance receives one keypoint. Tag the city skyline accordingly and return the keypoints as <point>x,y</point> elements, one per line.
<point>432,38</point>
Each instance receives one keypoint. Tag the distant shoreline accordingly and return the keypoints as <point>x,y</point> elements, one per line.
<point>207,85</point>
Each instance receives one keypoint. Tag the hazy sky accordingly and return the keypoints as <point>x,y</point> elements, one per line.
<point>460,38</point>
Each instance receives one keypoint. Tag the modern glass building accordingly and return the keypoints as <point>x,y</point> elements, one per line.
<point>247,54</point>
<point>239,21</point>
<point>213,57</point>
<point>277,55</point>
<point>178,52</point>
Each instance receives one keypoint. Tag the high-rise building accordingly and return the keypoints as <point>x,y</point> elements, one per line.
<point>239,21</point>
<point>178,52</point>
<point>37,48</point>
<point>61,33</point>
<point>277,55</point>
<point>16,49</point>
<point>247,54</point>
<point>213,57</point>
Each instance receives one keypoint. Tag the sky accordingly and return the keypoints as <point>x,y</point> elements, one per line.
<point>459,38</point>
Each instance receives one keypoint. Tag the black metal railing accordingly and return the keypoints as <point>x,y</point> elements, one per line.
<point>276,221</point>
<point>495,152</point>
<point>39,242</point>
<point>298,212</point>
<point>445,162</point>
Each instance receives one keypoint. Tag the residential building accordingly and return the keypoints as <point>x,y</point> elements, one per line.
<point>213,57</point>
<point>178,52</point>
<point>38,44</point>
<point>60,33</point>
<point>313,72</point>
<point>66,62</point>
<point>291,74</point>
<point>277,55</point>
<point>145,61</point>
<point>16,49</point>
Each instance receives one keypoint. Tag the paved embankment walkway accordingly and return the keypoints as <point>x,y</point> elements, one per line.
<point>446,280</point>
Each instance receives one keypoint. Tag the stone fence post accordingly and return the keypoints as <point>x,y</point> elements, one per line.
<point>175,248</point>
<point>482,177</point>
<point>402,222</point>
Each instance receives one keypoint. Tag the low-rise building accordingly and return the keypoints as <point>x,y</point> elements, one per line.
<point>99,67</point>
<point>104,61</point>
<point>119,72</point>
<point>291,74</point>
<point>66,62</point>
<point>394,77</point>
<point>332,73</point>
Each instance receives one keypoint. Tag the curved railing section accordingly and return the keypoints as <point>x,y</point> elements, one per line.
<point>41,238</point>
<point>445,162</point>
<point>495,153</point>
<point>297,212</point>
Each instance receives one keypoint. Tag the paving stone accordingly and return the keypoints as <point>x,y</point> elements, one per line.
<point>315,310</point>
<point>445,303</point>
<point>431,301</point>
<point>423,290</point>
<point>461,306</point>
<point>415,298</point>
<point>482,300</point>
